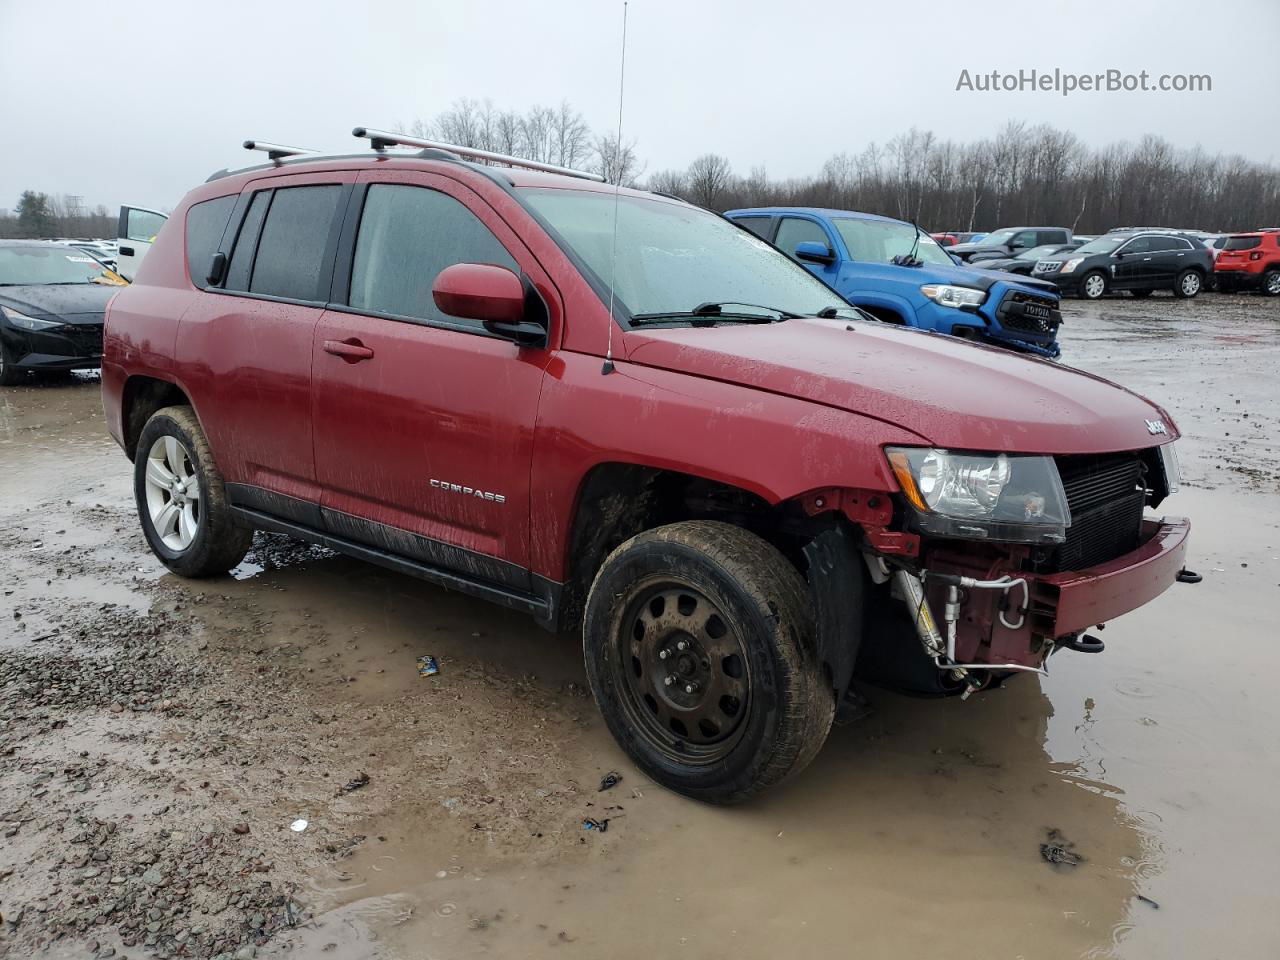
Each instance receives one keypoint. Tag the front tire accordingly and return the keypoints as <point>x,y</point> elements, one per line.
<point>1188,284</point>
<point>10,375</point>
<point>699,645</point>
<point>181,499</point>
<point>1093,285</point>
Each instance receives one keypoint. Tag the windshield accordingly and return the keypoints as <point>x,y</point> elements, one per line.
<point>674,258</point>
<point>1035,253</point>
<point>879,241</point>
<point>1101,245</point>
<point>999,237</point>
<point>43,265</point>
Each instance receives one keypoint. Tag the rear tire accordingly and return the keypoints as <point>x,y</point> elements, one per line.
<point>181,499</point>
<point>699,645</point>
<point>1093,285</point>
<point>1188,284</point>
<point>1270,285</point>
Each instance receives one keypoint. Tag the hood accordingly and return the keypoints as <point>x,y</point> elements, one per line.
<point>950,392</point>
<point>977,275</point>
<point>963,249</point>
<point>70,303</point>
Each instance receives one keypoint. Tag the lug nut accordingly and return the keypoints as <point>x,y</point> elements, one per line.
<point>681,645</point>
<point>668,681</point>
<point>662,654</point>
<point>690,688</point>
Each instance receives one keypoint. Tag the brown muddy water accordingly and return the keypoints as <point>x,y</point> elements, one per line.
<point>158,737</point>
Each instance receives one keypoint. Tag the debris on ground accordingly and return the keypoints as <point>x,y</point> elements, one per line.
<point>609,781</point>
<point>427,666</point>
<point>590,823</point>
<point>298,825</point>
<point>1057,850</point>
<point>355,783</point>
<point>1151,903</point>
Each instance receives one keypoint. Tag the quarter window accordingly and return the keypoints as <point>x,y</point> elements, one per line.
<point>247,242</point>
<point>793,231</point>
<point>291,252</point>
<point>205,225</point>
<point>407,236</point>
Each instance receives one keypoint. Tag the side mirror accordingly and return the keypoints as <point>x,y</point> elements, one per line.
<point>217,269</point>
<point>493,295</point>
<point>813,252</point>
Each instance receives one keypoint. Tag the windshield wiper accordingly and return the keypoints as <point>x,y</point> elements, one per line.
<point>710,313</point>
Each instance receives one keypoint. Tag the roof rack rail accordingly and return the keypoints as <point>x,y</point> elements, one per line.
<point>381,139</point>
<point>276,151</point>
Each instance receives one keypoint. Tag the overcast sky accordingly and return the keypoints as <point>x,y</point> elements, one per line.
<point>139,100</point>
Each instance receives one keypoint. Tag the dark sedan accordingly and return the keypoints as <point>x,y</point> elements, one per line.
<point>52,300</point>
<point>1023,262</point>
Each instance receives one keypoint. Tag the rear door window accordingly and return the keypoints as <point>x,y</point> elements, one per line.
<point>793,231</point>
<point>407,235</point>
<point>760,226</point>
<point>247,242</point>
<point>205,225</point>
<point>295,237</point>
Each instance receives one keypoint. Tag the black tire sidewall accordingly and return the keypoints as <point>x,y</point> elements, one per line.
<point>642,566</point>
<point>190,560</point>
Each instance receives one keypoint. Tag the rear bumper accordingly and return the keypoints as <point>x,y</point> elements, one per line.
<point>1237,279</point>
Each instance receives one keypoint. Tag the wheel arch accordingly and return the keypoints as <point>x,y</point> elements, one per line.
<point>141,397</point>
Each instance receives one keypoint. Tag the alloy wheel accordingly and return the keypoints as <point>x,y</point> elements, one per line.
<point>1273,283</point>
<point>687,673</point>
<point>1094,287</point>
<point>173,493</point>
<point>1191,284</point>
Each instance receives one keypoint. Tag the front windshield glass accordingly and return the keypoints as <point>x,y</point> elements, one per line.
<point>40,265</point>
<point>1000,237</point>
<point>673,258</point>
<point>1101,245</point>
<point>879,241</point>
<point>1035,253</point>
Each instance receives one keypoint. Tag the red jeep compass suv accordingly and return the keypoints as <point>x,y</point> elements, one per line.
<point>738,488</point>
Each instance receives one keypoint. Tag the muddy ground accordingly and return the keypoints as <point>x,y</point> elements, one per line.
<point>158,737</point>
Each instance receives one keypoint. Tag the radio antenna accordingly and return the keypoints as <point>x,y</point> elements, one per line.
<point>617,193</point>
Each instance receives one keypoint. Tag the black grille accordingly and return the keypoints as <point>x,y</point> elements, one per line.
<point>1106,495</point>
<point>1029,313</point>
<point>87,338</point>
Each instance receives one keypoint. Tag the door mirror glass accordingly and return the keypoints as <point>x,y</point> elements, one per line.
<point>493,295</point>
<point>814,252</point>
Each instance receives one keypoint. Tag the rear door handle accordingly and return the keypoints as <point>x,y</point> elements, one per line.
<point>350,349</point>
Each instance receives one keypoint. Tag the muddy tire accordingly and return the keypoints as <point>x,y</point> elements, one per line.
<point>1270,285</point>
<point>1188,284</point>
<point>181,499</point>
<point>1093,285</point>
<point>699,645</point>
<point>9,374</point>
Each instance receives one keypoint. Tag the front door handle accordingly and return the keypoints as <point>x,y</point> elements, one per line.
<point>350,349</point>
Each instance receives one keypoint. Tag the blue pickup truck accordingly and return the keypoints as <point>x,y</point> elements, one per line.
<point>899,274</point>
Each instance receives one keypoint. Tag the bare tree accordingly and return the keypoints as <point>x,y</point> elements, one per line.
<point>616,165</point>
<point>709,178</point>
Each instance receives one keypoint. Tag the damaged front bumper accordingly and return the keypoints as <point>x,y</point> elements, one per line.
<point>977,620</point>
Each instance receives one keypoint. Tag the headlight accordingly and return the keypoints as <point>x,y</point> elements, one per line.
<point>23,322</point>
<point>949,296</point>
<point>1071,264</point>
<point>1018,499</point>
<point>1172,474</point>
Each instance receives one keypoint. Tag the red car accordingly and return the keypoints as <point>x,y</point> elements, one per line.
<point>1250,261</point>
<point>740,490</point>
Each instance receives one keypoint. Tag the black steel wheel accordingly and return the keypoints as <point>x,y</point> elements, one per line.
<point>699,646</point>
